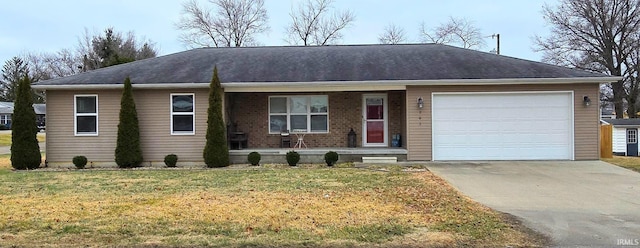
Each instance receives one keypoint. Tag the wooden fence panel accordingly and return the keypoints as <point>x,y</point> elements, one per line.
<point>606,141</point>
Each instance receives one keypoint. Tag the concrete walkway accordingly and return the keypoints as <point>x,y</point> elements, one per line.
<point>7,149</point>
<point>577,204</point>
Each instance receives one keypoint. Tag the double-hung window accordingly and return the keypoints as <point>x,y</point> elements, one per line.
<point>86,115</point>
<point>301,114</point>
<point>183,117</point>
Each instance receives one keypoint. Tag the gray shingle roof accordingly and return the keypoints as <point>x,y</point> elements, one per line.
<point>322,63</point>
<point>8,107</point>
<point>40,109</point>
<point>624,122</point>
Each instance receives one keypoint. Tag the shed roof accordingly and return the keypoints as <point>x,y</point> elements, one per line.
<point>323,63</point>
<point>623,122</point>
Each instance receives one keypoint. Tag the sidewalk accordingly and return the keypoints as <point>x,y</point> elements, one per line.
<point>7,149</point>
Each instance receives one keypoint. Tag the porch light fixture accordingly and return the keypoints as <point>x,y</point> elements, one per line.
<point>420,103</point>
<point>586,101</point>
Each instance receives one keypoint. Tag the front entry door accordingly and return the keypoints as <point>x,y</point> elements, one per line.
<point>374,126</point>
<point>632,142</point>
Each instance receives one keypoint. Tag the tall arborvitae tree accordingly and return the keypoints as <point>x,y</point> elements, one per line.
<point>216,152</point>
<point>25,151</point>
<point>128,151</point>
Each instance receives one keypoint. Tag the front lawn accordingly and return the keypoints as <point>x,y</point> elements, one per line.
<point>242,206</point>
<point>632,163</point>
<point>5,138</point>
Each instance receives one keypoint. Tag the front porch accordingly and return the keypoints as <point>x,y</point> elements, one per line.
<point>316,155</point>
<point>324,118</point>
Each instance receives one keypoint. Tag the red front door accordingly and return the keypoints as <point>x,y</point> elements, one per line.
<point>375,120</point>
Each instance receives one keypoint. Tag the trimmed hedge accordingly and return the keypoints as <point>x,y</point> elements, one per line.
<point>254,158</point>
<point>171,160</point>
<point>293,158</point>
<point>331,158</point>
<point>79,161</point>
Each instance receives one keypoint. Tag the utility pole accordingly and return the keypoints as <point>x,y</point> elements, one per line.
<point>497,37</point>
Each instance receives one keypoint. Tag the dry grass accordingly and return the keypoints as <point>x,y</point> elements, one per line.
<point>5,138</point>
<point>311,207</point>
<point>5,163</point>
<point>632,163</point>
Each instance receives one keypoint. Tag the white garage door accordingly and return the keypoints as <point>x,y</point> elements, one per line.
<point>503,126</point>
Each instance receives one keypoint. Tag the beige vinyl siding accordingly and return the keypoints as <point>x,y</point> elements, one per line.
<point>586,122</point>
<point>153,107</point>
<point>154,115</point>
<point>63,145</point>
<point>418,124</point>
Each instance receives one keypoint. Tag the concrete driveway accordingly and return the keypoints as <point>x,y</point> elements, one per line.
<point>577,203</point>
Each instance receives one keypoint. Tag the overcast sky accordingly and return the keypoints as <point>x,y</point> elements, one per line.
<point>48,26</point>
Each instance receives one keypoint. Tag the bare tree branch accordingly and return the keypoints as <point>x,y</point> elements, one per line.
<point>457,31</point>
<point>392,34</point>
<point>596,35</point>
<point>229,23</point>
<point>312,24</point>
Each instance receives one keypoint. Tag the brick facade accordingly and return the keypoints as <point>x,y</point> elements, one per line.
<point>250,111</point>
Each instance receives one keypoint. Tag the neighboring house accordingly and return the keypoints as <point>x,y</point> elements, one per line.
<point>625,136</point>
<point>6,112</point>
<point>447,103</point>
<point>41,115</point>
<point>607,111</point>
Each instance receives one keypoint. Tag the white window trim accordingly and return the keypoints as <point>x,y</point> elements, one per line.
<point>288,113</point>
<point>192,113</point>
<point>76,114</point>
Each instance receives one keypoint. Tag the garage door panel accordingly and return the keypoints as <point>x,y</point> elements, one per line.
<point>504,126</point>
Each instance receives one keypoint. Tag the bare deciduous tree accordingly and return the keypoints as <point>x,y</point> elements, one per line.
<point>457,31</point>
<point>631,80</point>
<point>392,34</point>
<point>93,51</point>
<point>230,23</point>
<point>313,24</point>
<point>45,66</point>
<point>596,35</point>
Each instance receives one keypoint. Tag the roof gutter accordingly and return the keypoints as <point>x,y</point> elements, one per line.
<point>397,84</point>
<point>335,85</point>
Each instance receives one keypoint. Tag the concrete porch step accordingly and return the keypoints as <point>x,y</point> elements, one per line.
<point>379,160</point>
